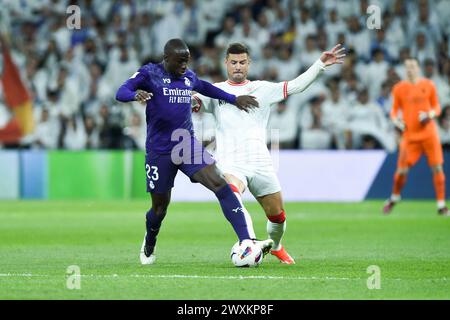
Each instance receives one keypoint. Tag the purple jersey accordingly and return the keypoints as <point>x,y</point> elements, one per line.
<point>170,107</point>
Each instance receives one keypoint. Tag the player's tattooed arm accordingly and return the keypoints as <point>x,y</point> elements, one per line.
<point>142,96</point>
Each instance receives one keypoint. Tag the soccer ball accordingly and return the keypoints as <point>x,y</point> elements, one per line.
<point>246,254</point>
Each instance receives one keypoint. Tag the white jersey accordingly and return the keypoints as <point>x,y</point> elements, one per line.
<point>241,136</point>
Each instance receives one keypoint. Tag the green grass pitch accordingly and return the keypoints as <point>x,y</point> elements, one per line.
<point>334,244</point>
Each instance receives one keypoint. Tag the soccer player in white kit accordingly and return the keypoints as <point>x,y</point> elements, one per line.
<point>241,151</point>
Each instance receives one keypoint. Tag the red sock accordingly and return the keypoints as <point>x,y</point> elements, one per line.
<point>399,183</point>
<point>439,185</point>
<point>280,218</point>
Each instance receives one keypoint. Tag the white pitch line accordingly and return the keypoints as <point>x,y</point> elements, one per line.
<point>24,275</point>
<point>184,276</point>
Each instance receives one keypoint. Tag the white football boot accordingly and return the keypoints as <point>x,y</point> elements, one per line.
<point>265,245</point>
<point>145,260</point>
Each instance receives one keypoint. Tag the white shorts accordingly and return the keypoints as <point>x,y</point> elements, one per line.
<point>260,181</point>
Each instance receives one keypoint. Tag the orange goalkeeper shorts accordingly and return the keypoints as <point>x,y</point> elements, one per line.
<point>411,151</point>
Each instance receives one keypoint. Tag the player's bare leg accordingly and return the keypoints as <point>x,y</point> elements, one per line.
<point>439,187</point>
<point>276,224</point>
<point>399,182</point>
<point>154,218</point>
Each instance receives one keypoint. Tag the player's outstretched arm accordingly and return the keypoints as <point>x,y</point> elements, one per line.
<point>334,56</point>
<point>129,91</point>
<point>242,102</point>
<point>328,58</point>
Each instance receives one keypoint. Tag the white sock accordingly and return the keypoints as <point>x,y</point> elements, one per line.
<point>276,231</point>
<point>395,197</point>
<point>440,204</point>
<point>247,216</point>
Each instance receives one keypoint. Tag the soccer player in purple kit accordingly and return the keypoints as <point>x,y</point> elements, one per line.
<point>166,90</point>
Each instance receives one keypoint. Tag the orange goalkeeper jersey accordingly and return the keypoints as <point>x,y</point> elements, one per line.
<point>412,98</point>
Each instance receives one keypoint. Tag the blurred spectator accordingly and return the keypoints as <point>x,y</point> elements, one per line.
<point>430,72</point>
<point>334,27</point>
<point>193,23</point>
<point>63,93</point>
<point>305,27</point>
<point>384,100</point>
<point>375,73</point>
<point>227,35</point>
<point>122,64</point>
<point>313,133</point>
<point>444,127</point>
<point>266,65</point>
<point>367,119</point>
<point>283,123</point>
<point>204,127</point>
<point>287,67</point>
<point>394,36</point>
<point>335,117</point>
<point>92,133</point>
<point>47,131</point>
<point>74,134</point>
<point>136,133</point>
<point>310,53</point>
<point>358,38</point>
<point>422,48</point>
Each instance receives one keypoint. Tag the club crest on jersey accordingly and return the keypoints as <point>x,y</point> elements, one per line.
<point>186,81</point>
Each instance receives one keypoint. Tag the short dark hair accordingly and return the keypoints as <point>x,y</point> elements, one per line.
<point>174,45</point>
<point>237,48</point>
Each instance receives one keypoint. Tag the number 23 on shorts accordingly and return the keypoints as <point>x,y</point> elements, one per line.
<point>152,174</point>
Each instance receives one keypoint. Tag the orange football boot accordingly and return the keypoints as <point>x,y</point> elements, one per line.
<point>283,256</point>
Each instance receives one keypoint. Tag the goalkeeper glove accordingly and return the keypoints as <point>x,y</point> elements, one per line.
<point>424,117</point>
<point>399,124</point>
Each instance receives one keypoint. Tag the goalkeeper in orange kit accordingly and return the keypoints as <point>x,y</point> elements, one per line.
<point>414,109</point>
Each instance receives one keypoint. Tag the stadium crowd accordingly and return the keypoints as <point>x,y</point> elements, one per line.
<point>73,74</point>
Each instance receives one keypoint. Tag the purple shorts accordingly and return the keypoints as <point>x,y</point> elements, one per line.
<point>161,169</point>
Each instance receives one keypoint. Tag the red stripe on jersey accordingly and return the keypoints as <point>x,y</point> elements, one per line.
<point>285,93</point>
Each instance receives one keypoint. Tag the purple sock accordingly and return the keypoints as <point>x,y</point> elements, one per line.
<point>153,223</point>
<point>232,210</point>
